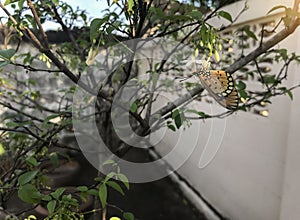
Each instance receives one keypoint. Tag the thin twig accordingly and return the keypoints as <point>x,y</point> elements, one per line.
<point>37,20</point>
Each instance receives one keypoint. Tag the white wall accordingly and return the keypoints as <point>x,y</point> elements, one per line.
<point>256,172</point>
<point>291,188</point>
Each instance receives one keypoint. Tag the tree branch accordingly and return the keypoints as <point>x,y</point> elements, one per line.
<point>264,47</point>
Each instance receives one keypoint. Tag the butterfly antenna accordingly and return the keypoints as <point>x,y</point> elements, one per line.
<point>184,78</point>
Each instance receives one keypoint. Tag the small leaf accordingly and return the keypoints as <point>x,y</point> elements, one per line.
<point>172,127</point>
<point>3,63</point>
<point>109,176</point>
<point>178,118</point>
<point>94,27</point>
<point>92,192</point>
<point>82,188</point>
<point>51,206</point>
<point>133,107</point>
<point>2,150</point>
<point>154,77</point>
<point>7,2</point>
<point>243,94</point>
<point>225,15</point>
<point>47,198</point>
<point>27,177</point>
<point>130,6</point>
<point>128,216</point>
<point>57,193</point>
<point>250,33</point>
<point>103,194</point>
<point>269,79</point>
<point>29,193</point>
<point>195,15</point>
<point>108,162</point>
<point>241,85</point>
<point>290,94</point>
<point>276,7</point>
<point>124,180</point>
<point>7,54</point>
<point>115,186</point>
<point>32,161</point>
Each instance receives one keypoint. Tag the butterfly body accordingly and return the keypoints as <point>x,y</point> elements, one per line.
<point>220,86</point>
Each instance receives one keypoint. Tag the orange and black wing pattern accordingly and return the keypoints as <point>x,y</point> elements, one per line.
<point>220,86</point>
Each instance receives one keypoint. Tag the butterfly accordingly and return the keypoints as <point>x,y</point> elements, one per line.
<point>220,86</point>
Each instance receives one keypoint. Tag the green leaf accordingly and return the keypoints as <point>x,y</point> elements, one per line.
<point>124,180</point>
<point>202,114</point>
<point>7,2</point>
<point>195,15</point>
<point>2,150</point>
<point>172,127</point>
<point>115,186</point>
<point>175,113</point>
<point>56,2</point>
<point>3,63</point>
<point>276,7</point>
<point>283,53</point>
<point>27,177</point>
<point>47,198</point>
<point>108,162</point>
<point>177,117</point>
<point>133,107</point>
<point>54,159</point>
<point>94,27</point>
<point>103,194</point>
<point>250,33</point>
<point>29,194</point>
<point>12,124</point>
<point>269,79</point>
<point>241,85</point>
<point>92,192</point>
<point>109,176</point>
<point>128,216</point>
<point>82,188</point>
<point>154,77</point>
<point>130,6</point>
<point>290,94</point>
<point>51,206</point>
<point>7,54</point>
<point>243,94</point>
<point>32,161</point>
<point>204,33</point>
<point>58,192</point>
<point>225,15</point>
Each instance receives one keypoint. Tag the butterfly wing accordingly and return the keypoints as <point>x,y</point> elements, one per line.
<point>220,86</point>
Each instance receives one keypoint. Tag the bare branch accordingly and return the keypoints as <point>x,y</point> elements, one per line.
<point>264,47</point>
<point>36,18</point>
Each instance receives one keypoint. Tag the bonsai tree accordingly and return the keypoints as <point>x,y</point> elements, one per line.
<point>111,68</point>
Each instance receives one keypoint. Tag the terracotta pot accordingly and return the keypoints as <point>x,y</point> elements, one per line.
<point>84,206</point>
